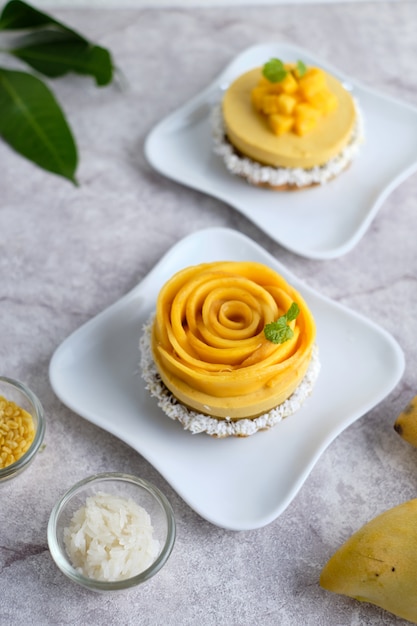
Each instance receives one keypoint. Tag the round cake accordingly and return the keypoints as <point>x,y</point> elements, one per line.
<point>287,126</point>
<point>231,348</point>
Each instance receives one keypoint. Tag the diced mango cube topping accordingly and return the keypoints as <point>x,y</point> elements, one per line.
<point>281,124</point>
<point>296,103</point>
<point>17,432</point>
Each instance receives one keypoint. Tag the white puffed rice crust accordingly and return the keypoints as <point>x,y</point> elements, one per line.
<point>200,423</point>
<point>258,174</point>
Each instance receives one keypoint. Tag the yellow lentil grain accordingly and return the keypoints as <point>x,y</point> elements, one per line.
<point>17,432</point>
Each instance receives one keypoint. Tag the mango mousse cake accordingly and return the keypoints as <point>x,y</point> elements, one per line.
<point>287,126</point>
<point>230,350</point>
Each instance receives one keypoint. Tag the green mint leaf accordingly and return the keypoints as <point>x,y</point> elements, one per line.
<point>292,312</point>
<point>279,331</point>
<point>301,68</point>
<point>274,71</point>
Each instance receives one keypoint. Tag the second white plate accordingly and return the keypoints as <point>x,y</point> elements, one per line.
<point>323,222</point>
<point>238,484</point>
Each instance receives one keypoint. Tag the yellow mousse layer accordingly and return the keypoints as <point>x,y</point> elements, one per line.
<point>209,345</point>
<point>249,131</point>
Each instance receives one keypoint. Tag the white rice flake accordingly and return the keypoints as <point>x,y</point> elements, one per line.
<point>198,422</point>
<point>258,174</point>
<point>110,538</point>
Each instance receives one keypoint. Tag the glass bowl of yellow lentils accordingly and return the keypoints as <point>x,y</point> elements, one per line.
<point>22,427</point>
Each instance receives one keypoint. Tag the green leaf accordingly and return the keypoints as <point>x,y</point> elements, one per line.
<point>54,49</point>
<point>33,124</point>
<point>57,53</point>
<point>292,312</point>
<point>301,68</point>
<point>274,71</point>
<point>279,331</point>
<point>18,15</point>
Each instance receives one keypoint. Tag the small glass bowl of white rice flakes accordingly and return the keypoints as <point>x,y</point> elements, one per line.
<point>111,532</point>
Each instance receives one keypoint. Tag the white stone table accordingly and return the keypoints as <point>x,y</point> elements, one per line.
<point>68,253</point>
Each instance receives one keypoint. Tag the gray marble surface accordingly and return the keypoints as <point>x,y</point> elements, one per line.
<point>68,253</point>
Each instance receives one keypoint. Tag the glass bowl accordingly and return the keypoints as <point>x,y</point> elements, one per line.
<point>16,392</point>
<point>61,526</point>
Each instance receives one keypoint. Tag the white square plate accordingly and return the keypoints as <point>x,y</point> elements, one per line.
<point>321,222</point>
<point>234,483</point>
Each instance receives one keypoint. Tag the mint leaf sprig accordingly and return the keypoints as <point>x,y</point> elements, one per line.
<point>279,331</point>
<point>274,70</point>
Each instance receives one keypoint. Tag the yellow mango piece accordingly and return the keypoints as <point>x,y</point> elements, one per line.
<point>313,81</point>
<point>324,101</point>
<point>275,88</point>
<point>281,124</point>
<point>406,423</point>
<point>303,109</point>
<point>289,84</point>
<point>264,82</point>
<point>378,563</point>
<point>306,118</point>
<point>302,126</point>
<point>257,96</point>
<point>269,104</point>
<point>286,103</point>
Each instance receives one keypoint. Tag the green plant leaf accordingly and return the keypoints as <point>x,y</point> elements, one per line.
<point>18,15</point>
<point>33,124</point>
<point>57,53</point>
<point>31,120</point>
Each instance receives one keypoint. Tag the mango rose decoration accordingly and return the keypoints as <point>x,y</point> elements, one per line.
<point>231,348</point>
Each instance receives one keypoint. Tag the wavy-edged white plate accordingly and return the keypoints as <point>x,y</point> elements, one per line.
<point>238,484</point>
<point>322,222</point>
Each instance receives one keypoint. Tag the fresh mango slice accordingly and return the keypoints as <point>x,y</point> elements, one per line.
<point>406,423</point>
<point>378,563</point>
